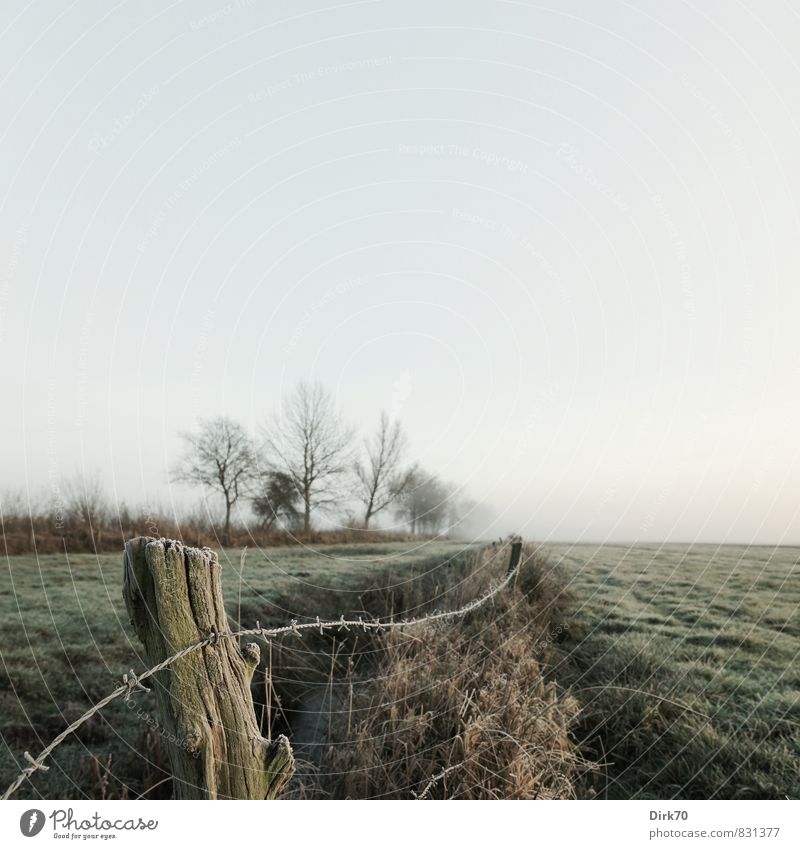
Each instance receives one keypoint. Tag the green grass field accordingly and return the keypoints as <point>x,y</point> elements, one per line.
<point>685,660</point>
<point>715,629</point>
<point>65,642</point>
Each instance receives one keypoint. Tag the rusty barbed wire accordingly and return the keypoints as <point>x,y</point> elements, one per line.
<point>132,682</point>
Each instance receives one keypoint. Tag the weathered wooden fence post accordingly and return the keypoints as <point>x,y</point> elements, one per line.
<point>516,553</point>
<point>173,595</point>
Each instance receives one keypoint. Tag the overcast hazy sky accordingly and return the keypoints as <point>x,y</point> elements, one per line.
<point>559,241</point>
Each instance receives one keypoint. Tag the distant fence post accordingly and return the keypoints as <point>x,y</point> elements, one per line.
<point>516,553</point>
<point>173,595</point>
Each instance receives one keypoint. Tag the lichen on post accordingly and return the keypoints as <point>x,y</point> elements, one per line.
<point>173,595</point>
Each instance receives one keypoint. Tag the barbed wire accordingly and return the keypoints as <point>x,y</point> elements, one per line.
<point>132,682</point>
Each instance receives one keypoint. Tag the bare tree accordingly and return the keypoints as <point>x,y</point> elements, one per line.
<point>86,507</point>
<point>381,478</point>
<point>220,456</point>
<point>468,518</point>
<point>86,501</point>
<point>309,442</point>
<point>424,504</point>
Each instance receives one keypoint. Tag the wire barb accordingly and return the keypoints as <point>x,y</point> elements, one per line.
<point>132,684</point>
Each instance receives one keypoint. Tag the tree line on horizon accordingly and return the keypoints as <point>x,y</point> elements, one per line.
<point>307,462</point>
<point>305,476</point>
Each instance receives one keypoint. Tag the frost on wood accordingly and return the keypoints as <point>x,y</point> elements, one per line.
<point>173,595</point>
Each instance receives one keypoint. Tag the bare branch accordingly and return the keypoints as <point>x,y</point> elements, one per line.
<point>309,441</point>
<point>381,481</point>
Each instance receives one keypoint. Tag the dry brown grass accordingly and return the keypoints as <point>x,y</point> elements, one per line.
<point>41,531</point>
<point>463,709</point>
